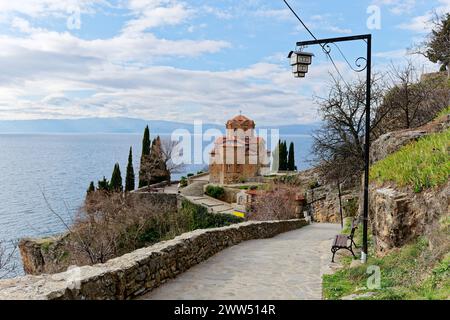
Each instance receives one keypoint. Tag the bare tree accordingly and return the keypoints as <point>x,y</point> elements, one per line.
<point>168,149</point>
<point>160,164</point>
<point>111,224</point>
<point>338,145</point>
<point>8,265</point>
<point>409,102</point>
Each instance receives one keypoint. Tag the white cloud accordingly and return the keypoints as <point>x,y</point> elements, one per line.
<point>397,7</point>
<point>43,71</point>
<point>41,67</point>
<point>154,92</point>
<point>36,8</point>
<point>326,22</point>
<point>22,25</point>
<point>316,22</point>
<point>422,23</point>
<point>339,30</point>
<point>149,14</point>
<point>219,13</point>
<point>131,47</point>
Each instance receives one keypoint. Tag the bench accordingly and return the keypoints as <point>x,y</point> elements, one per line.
<point>344,241</point>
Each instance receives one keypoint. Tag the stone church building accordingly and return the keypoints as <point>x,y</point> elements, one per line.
<point>239,155</point>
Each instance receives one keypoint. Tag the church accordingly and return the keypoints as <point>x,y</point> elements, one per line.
<point>239,155</point>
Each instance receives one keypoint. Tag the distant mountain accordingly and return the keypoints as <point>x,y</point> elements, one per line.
<point>122,125</point>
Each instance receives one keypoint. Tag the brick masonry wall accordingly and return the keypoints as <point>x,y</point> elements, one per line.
<point>140,271</point>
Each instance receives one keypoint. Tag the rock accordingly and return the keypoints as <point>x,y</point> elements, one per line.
<point>399,215</point>
<point>358,296</point>
<point>392,141</point>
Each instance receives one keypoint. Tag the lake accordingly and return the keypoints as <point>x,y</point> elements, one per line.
<point>59,167</point>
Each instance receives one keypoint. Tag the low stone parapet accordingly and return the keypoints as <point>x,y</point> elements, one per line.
<point>143,270</point>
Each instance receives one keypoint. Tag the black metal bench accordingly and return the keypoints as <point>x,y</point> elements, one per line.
<point>344,241</point>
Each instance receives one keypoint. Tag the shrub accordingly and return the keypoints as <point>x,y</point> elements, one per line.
<point>183,182</point>
<point>253,187</point>
<point>103,185</point>
<point>91,188</point>
<point>190,175</point>
<point>278,203</point>
<point>8,266</point>
<point>314,184</point>
<point>216,192</point>
<point>111,225</point>
<point>351,207</point>
<point>198,217</point>
<point>443,112</point>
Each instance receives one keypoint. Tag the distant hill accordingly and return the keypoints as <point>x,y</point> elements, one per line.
<point>122,125</point>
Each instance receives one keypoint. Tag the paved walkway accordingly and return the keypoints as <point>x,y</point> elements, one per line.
<point>288,266</point>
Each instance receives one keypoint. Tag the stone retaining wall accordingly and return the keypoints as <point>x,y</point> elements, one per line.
<point>140,271</point>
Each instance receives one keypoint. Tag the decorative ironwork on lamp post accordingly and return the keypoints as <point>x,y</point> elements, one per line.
<point>300,62</point>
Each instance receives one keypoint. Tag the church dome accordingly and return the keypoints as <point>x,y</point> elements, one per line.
<point>240,122</point>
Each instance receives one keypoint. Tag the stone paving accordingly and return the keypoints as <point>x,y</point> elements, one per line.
<point>288,266</point>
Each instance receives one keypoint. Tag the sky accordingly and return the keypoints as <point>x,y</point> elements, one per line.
<point>189,60</point>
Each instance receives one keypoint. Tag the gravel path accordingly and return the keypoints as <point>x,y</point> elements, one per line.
<point>288,266</point>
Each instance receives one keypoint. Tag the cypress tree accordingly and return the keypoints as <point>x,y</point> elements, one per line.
<point>116,179</point>
<point>283,156</point>
<point>291,158</point>
<point>145,153</point>
<point>91,188</point>
<point>129,180</point>
<point>103,185</point>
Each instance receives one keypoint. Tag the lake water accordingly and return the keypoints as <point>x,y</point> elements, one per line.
<point>59,168</point>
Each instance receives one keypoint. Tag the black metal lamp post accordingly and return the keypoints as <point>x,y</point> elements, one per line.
<point>301,60</point>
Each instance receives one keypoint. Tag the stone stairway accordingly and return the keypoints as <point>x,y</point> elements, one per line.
<point>194,193</point>
<point>213,205</point>
<point>195,189</point>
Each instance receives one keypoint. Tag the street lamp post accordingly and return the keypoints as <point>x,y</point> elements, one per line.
<point>300,59</point>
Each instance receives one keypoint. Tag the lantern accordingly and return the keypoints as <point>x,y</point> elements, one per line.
<point>300,61</point>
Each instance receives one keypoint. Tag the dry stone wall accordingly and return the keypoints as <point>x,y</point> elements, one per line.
<point>140,271</point>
